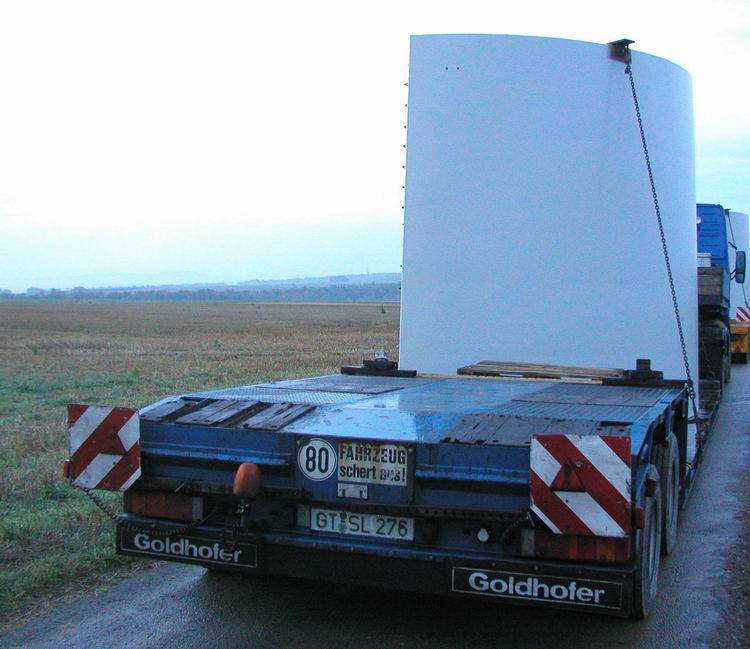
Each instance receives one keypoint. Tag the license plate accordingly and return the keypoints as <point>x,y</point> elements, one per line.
<point>359,524</point>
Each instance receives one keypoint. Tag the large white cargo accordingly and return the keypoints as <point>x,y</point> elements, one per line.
<point>530,232</point>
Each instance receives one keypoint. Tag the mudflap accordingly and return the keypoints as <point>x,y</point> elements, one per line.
<point>585,590</point>
<point>211,548</point>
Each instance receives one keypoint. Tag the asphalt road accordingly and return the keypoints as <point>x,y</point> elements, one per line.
<point>181,606</point>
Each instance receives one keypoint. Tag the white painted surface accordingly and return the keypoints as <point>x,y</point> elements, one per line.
<point>591,514</point>
<point>742,241</point>
<point>86,424</point>
<point>529,228</point>
<point>543,463</point>
<point>605,460</point>
<point>97,470</point>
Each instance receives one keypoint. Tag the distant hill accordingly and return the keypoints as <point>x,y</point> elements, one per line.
<point>375,287</point>
<point>330,280</point>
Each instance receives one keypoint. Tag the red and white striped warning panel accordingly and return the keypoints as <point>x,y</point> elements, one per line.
<point>742,314</point>
<point>104,446</point>
<point>581,484</point>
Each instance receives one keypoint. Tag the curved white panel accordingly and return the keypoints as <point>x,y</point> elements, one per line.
<point>530,232</point>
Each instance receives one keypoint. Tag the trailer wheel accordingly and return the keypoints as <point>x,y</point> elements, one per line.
<point>669,473</point>
<point>646,576</point>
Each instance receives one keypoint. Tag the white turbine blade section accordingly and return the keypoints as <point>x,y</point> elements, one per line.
<point>545,520</point>
<point>86,424</point>
<point>543,463</point>
<point>130,433</point>
<point>606,461</point>
<point>591,513</point>
<point>93,474</point>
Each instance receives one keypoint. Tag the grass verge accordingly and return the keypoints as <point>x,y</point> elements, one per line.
<point>54,543</point>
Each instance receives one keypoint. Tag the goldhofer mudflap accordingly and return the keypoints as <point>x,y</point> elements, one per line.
<point>599,589</point>
<point>205,547</point>
<point>520,587</point>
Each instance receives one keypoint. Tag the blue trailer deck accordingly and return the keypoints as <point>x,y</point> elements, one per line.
<point>456,430</point>
<point>431,472</point>
<point>425,409</point>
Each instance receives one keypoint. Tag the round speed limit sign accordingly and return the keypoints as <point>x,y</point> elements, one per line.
<point>317,459</point>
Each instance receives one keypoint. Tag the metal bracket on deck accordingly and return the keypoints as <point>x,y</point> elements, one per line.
<point>644,377</point>
<point>378,366</point>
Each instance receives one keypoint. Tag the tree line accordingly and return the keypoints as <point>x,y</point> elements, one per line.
<point>386,292</point>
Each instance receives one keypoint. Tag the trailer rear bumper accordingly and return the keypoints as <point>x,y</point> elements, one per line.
<point>596,588</point>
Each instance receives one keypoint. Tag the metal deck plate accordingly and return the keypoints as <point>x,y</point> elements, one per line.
<point>595,395</point>
<point>349,384</point>
<point>278,395</point>
<point>218,412</point>
<point>587,411</point>
<point>277,416</point>
<point>163,410</point>
<point>506,430</point>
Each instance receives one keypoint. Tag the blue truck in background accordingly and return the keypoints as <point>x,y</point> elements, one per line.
<point>723,263</point>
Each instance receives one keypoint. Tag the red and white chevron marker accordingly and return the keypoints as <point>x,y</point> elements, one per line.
<point>581,484</point>
<point>742,314</point>
<point>104,446</point>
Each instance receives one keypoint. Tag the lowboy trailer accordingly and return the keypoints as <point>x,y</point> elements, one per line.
<point>548,485</point>
<point>543,485</point>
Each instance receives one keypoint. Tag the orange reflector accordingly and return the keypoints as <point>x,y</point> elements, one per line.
<point>66,469</point>
<point>247,480</point>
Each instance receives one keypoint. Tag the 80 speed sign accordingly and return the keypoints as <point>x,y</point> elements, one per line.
<point>317,459</point>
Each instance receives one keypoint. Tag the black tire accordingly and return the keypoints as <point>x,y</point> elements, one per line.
<point>669,478</point>
<point>646,576</point>
<point>657,456</point>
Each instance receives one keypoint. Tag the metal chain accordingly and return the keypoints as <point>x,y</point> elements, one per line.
<point>118,518</point>
<point>689,385</point>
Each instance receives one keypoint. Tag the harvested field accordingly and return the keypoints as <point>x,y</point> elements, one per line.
<point>53,542</point>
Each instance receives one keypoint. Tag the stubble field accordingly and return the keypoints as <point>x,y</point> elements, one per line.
<point>54,543</point>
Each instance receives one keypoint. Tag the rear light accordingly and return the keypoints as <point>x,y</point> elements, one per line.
<point>247,480</point>
<point>596,549</point>
<point>153,504</point>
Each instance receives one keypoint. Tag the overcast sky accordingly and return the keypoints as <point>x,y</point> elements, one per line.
<point>166,141</point>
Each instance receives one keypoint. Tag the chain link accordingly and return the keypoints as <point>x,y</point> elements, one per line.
<point>134,527</point>
<point>689,385</point>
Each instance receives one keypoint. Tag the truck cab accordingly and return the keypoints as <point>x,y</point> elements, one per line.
<point>714,284</point>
